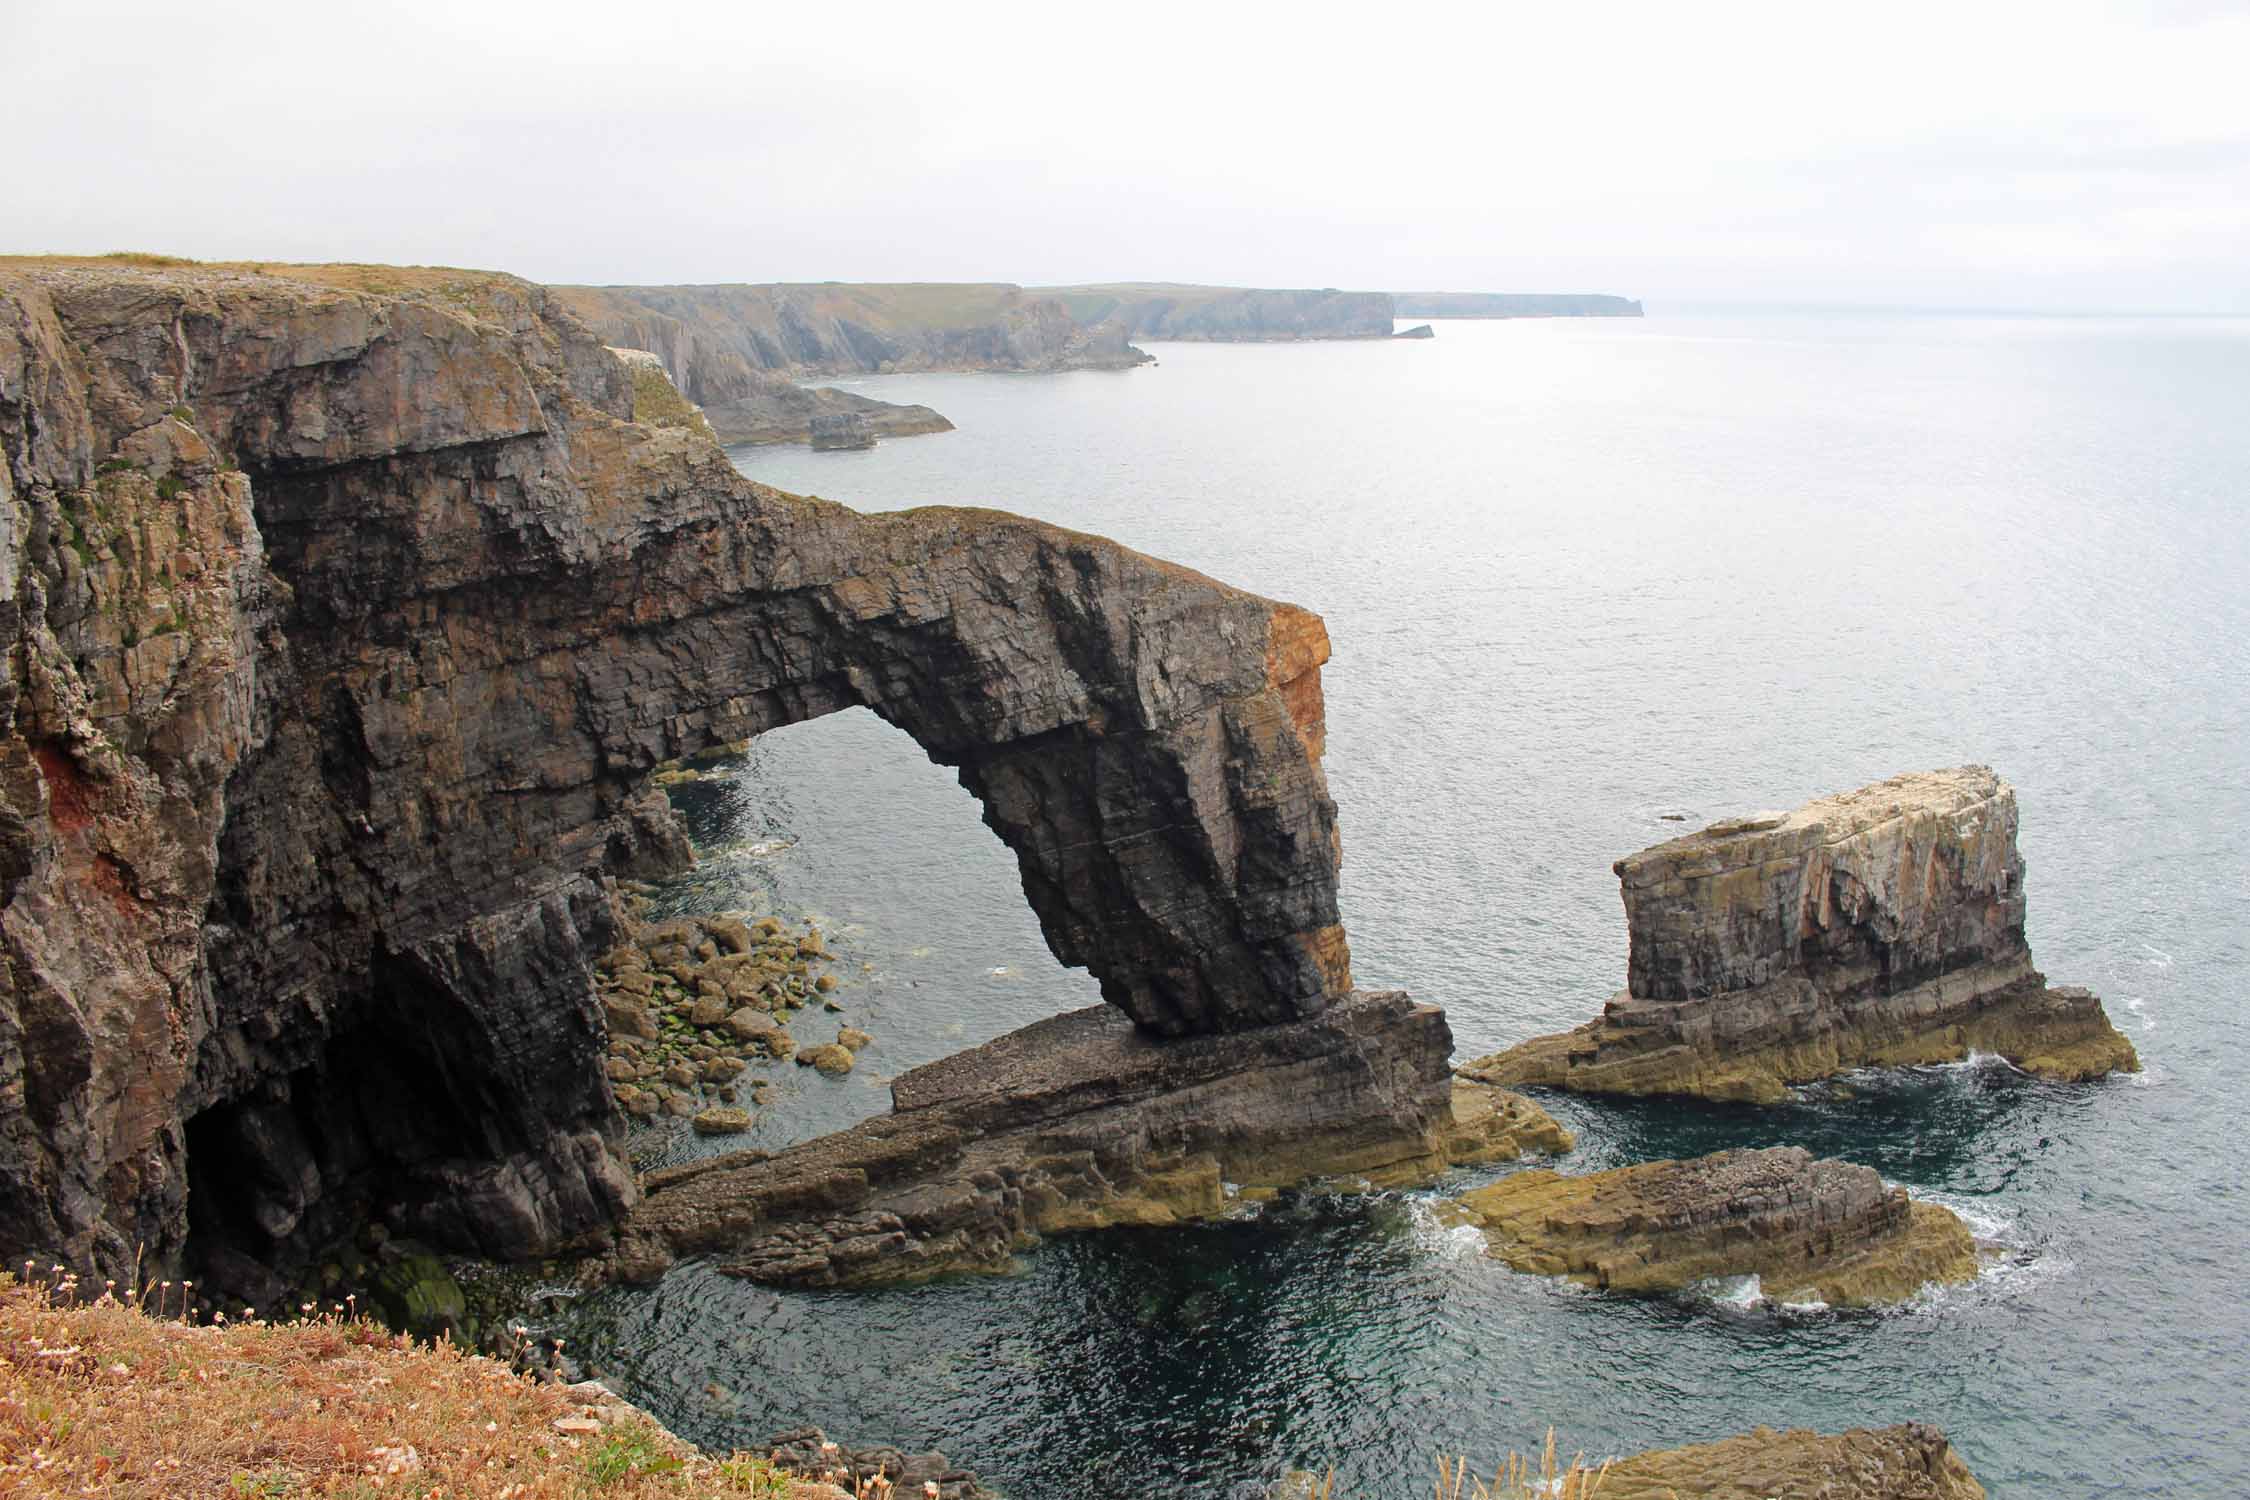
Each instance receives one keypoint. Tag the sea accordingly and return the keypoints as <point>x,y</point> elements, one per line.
<point>1588,582</point>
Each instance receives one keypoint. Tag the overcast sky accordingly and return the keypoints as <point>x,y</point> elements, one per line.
<point>1971,153</point>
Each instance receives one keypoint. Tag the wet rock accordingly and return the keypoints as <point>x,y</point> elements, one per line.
<point>825,983</point>
<point>722,1069</point>
<point>417,1294</point>
<point>680,1075</point>
<point>710,1010</point>
<point>851,1038</point>
<point>832,1059</point>
<point>1811,1231</point>
<point>722,1122</point>
<point>1875,928</point>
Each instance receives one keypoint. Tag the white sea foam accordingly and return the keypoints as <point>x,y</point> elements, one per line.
<point>1442,1240</point>
<point>2157,957</point>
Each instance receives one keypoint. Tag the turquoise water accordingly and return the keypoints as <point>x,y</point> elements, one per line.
<point>1580,575</point>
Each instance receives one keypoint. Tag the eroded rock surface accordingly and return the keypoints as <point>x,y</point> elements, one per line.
<point>1083,1122</point>
<point>1811,1231</point>
<point>348,612</point>
<point>1911,1461</point>
<point>1878,927</point>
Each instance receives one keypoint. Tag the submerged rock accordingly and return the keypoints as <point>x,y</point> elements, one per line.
<point>722,1122</point>
<point>1912,1461</point>
<point>1875,928</point>
<point>1810,1231</point>
<point>832,1058</point>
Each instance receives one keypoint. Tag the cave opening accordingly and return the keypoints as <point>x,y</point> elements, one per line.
<point>285,1174</point>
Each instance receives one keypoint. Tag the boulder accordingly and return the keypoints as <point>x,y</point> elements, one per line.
<point>832,1059</point>
<point>722,1121</point>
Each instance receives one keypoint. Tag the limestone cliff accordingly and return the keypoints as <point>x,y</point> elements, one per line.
<point>1515,305</point>
<point>348,612</point>
<point>716,340</point>
<point>1879,926</point>
<point>1227,314</point>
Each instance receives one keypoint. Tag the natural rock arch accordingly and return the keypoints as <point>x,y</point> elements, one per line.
<point>353,624</point>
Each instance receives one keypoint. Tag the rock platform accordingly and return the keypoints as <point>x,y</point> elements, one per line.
<point>1811,1231</point>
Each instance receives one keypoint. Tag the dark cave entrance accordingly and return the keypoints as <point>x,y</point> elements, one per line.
<point>284,1175</point>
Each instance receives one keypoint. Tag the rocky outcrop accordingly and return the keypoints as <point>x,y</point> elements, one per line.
<point>348,612</point>
<point>1228,314</point>
<point>834,430</point>
<point>1879,927</point>
<point>716,340</point>
<point>1515,305</point>
<point>1810,1231</point>
<point>1912,1461</point>
<point>769,409</point>
<point>1082,1122</point>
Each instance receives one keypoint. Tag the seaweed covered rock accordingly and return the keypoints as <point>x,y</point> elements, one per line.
<point>1810,1231</point>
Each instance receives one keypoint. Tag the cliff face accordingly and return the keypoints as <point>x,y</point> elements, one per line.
<point>348,612</point>
<point>1879,926</point>
<point>1224,314</point>
<point>1515,305</point>
<point>715,338</point>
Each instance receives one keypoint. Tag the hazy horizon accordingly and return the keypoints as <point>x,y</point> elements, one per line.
<point>2018,158</point>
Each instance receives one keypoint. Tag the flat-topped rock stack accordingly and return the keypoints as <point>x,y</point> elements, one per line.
<point>1811,1231</point>
<point>1882,926</point>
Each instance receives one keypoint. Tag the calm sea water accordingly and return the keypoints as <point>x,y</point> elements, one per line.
<point>1580,575</point>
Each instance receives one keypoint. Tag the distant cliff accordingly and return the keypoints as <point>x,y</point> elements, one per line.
<point>712,337</point>
<point>1228,314</point>
<point>1515,305</point>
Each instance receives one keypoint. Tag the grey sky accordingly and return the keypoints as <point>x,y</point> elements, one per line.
<point>1969,153</point>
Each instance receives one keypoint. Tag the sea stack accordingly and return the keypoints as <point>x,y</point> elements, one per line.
<point>1879,927</point>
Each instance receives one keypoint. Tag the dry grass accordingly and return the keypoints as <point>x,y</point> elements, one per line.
<point>105,1398</point>
<point>1515,1479</point>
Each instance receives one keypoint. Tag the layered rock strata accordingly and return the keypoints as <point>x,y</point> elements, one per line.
<point>348,612</point>
<point>1810,1231</point>
<point>1083,1122</point>
<point>1911,1461</point>
<point>1880,927</point>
